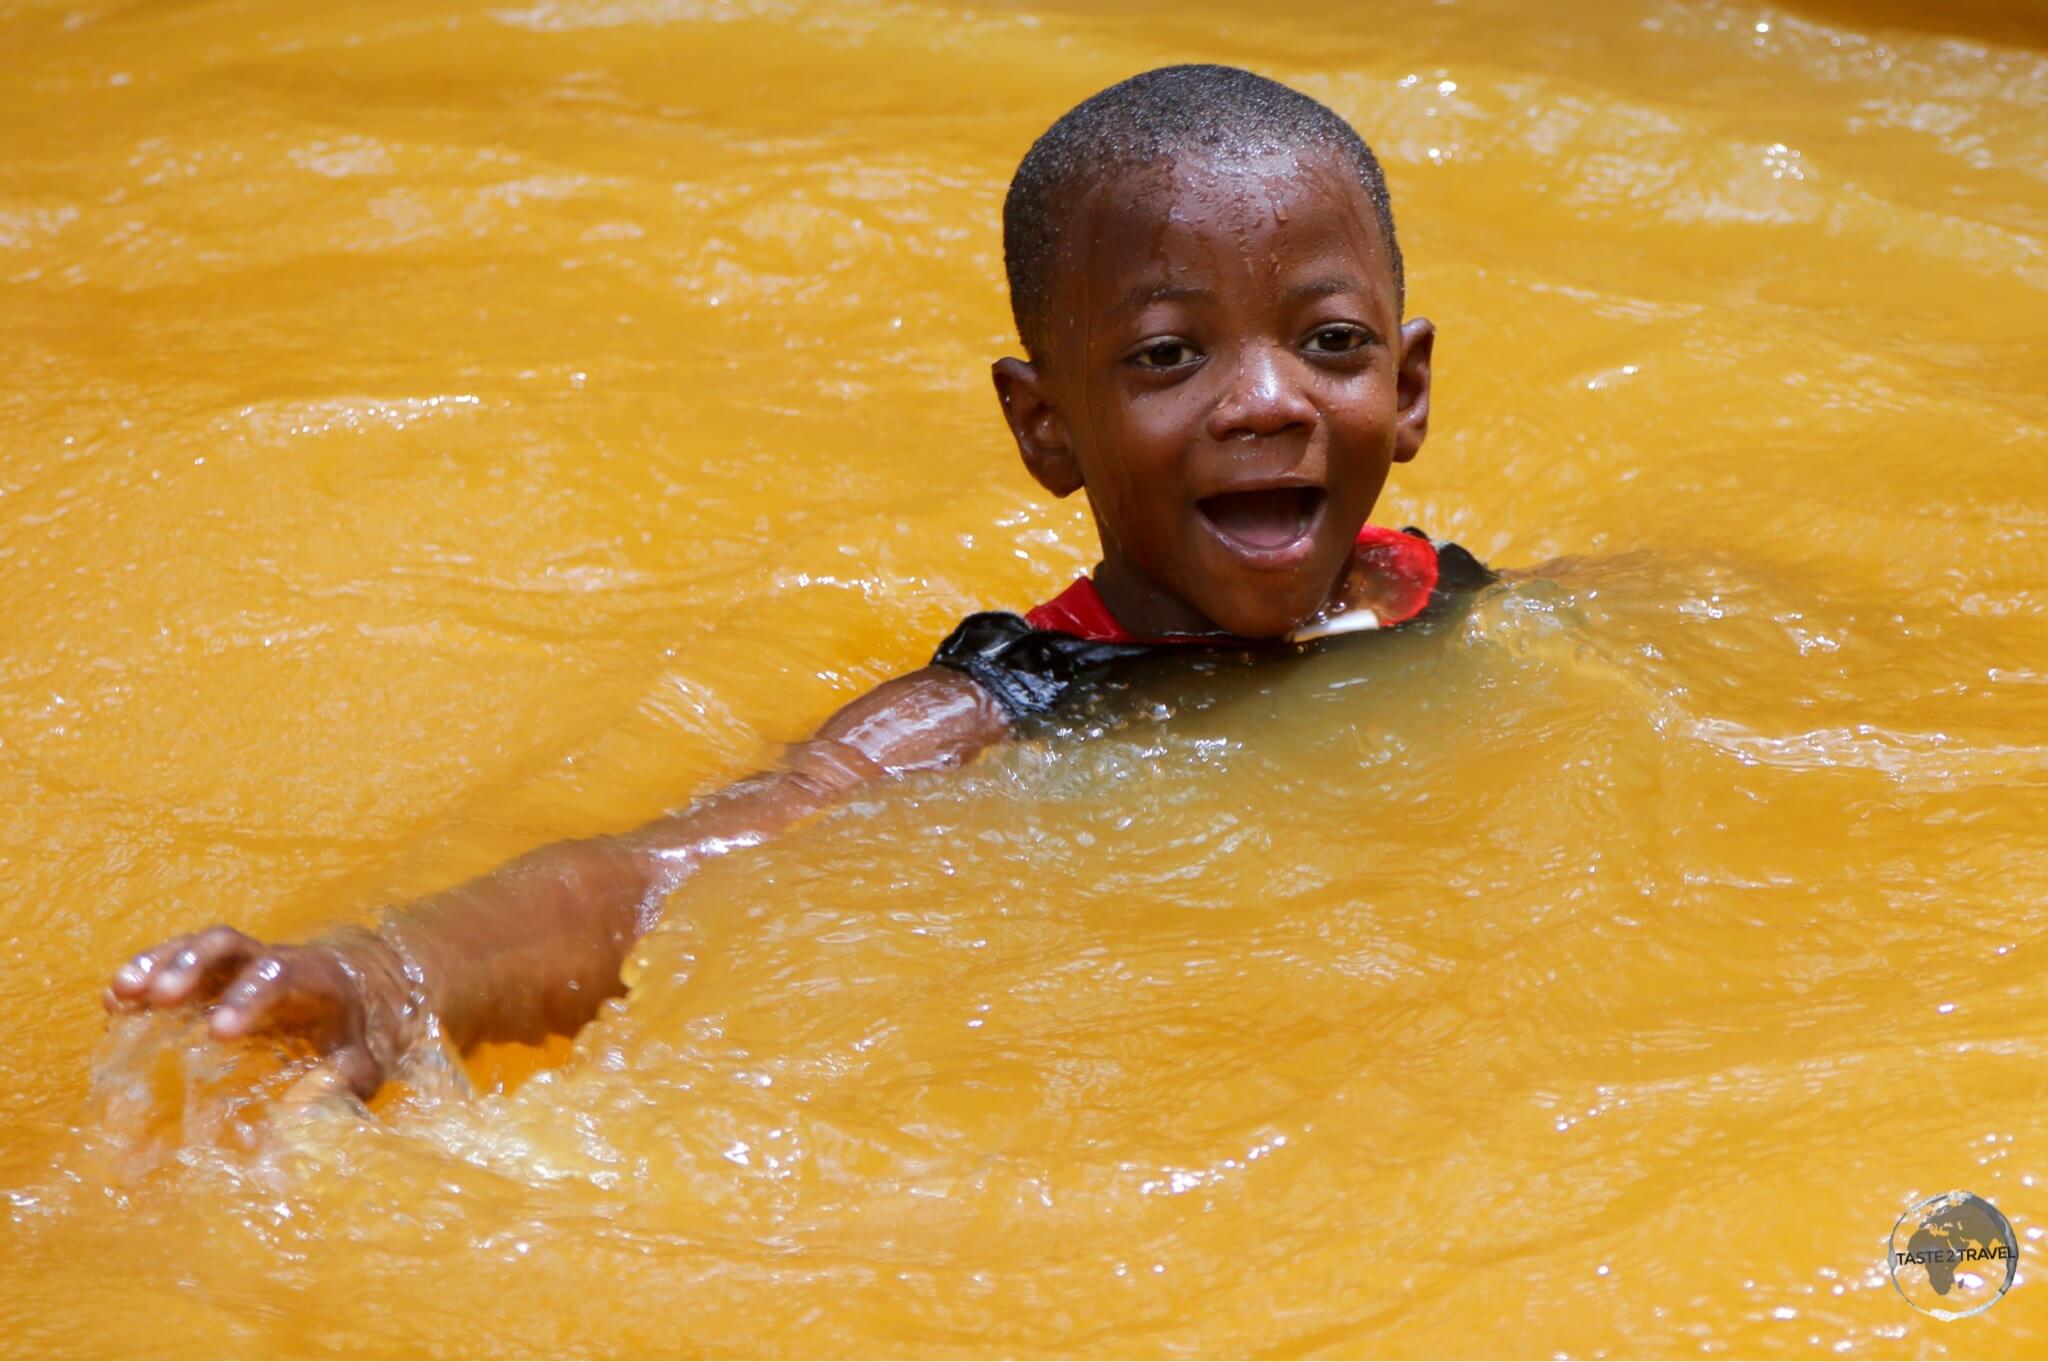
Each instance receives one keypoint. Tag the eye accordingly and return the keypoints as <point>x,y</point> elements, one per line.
<point>1341,339</point>
<point>1164,353</point>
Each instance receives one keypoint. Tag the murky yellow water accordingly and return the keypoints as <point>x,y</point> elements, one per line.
<point>428,429</point>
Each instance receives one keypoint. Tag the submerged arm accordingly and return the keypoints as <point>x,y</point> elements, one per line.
<point>536,946</point>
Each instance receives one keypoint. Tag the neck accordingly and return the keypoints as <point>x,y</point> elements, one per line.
<point>1145,609</point>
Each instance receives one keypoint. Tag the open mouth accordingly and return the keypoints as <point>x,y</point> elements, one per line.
<point>1266,520</point>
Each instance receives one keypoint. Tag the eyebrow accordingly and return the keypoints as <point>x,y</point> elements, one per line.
<point>1326,287</point>
<point>1144,295</point>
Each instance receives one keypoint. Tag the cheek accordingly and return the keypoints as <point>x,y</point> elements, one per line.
<point>1141,443</point>
<point>1361,416</point>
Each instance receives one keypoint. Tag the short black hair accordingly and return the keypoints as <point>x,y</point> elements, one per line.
<point>1154,116</point>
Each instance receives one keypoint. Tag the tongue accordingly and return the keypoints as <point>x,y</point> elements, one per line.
<point>1268,519</point>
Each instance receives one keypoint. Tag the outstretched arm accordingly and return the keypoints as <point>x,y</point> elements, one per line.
<point>536,946</point>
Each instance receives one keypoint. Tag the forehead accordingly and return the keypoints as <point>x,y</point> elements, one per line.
<point>1247,215</point>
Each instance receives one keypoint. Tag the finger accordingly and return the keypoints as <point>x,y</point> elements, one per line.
<point>254,1000</point>
<point>117,1005</point>
<point>131,979</point>
<point>198,965</point>
<point>347,1072</point>
<point>353,1065</point>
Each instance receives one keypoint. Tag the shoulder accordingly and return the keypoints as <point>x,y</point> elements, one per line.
<point>1026,666</point>
<point>931,717</point>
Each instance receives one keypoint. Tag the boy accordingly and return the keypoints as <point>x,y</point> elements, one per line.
<point>1206,280</point>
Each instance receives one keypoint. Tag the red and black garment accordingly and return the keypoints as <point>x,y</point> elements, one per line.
<point>1035,662</point>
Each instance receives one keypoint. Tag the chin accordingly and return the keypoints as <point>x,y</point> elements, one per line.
<point>1268,603</point>
<point>1264,624</point>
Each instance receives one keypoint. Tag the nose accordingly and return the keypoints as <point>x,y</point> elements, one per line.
<point>1262,397</point>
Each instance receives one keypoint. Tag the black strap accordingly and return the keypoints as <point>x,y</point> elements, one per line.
<point>1032,672</point>
<point>1028,671</point>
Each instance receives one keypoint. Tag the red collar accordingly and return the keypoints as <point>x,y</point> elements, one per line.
<point>1402,566</point>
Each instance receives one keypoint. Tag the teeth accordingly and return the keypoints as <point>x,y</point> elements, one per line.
<point>1350,622</point>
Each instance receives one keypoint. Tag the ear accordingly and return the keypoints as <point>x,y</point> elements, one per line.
<point>1411,388</point>
<point>1041,434</point>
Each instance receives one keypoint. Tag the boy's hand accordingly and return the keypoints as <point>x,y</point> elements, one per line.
<point>346,998</point>
<point>535,947</point>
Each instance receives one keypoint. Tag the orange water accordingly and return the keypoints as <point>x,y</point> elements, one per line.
<point>429,429</point>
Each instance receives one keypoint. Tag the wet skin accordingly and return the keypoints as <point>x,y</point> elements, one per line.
<point>1231,382</point>
<point>536,947</point>
<point>1229,377</point>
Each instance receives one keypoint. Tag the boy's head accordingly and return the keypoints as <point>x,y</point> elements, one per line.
<point>1205,276</point>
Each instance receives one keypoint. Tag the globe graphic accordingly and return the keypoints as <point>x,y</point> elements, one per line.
<point>1953,1255</point>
